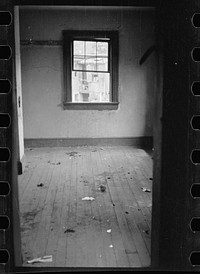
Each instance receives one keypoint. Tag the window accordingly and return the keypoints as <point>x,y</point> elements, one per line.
<point>91,69</point>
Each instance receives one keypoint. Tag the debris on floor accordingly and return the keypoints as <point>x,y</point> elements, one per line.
<point>151,179</point>
<point>88,199</point>
<point>111,246</point>
<point>85,182</point>
<point>109,230</point>
<point>102,188</point>
<point>68,230</point>
<point>58,163</point>
<point>73,154</point>
<point>127,212</point>
<point>40,185</point>
<point>108,177</point>
<point>146,232</point>
<point>145,189</point>
<point>44,259</point>
<point>98,219</point>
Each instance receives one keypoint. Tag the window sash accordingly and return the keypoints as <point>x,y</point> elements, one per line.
<point>108,36</point>
<point>107,40</point>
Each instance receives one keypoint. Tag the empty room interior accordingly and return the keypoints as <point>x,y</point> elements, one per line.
<point>86,107</point>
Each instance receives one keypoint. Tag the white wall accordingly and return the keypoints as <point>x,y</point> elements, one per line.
<point>42,74</point>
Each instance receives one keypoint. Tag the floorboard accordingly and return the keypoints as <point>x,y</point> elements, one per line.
<point>112,230</point>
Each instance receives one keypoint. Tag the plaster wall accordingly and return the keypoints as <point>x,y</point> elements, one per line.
<point>43,83</point>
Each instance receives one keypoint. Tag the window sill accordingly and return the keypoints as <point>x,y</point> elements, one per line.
<point>91,106</point>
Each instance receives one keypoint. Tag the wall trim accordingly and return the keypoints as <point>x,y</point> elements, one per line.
<point>143,142</point>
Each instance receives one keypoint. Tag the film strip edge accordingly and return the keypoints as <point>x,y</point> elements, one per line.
<point>6,98</point>
<point>194,192</point>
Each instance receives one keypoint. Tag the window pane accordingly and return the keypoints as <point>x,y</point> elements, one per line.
<point>102,48</point>
<point>102,64</point>
<point>78,47</point>
<point>90,87</point>
<point>91,48</point>
<point>91,63</point>
<point>79,63</point>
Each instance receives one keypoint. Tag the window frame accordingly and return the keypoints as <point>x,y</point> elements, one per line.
<point>68,37</point>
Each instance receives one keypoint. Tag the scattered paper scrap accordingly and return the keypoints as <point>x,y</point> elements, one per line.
<point>44,259</point>
<point>109,230</point>
<point>111,246</point>
<point>146,189</point>
<point>88,199</point>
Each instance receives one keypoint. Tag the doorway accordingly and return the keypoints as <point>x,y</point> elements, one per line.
<point>87,203</point>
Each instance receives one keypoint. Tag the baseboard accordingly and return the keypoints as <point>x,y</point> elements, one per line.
<point>21,165</point>
<point>143,142</point>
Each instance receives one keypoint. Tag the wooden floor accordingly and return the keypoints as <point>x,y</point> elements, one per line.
<point>113,230</point>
